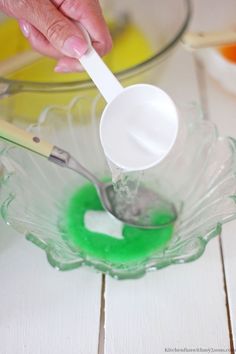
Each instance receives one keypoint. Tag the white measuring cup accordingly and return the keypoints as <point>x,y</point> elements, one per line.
<point>139,124</point>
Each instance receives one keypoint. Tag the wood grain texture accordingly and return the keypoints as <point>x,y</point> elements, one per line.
<point>43,311</point>
<point>229,253</point>
<point>222,110</point>
<point>178,307</point>
<point>182,306</point>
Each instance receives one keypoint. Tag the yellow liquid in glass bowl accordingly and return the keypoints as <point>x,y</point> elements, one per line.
<point>130,48</point>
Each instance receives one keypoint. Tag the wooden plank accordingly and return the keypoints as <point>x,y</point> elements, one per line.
<point>222,110</point>
<point>221,107</point>
<point>179,307</point>
<point>43,310</point>
<point>229,252</point>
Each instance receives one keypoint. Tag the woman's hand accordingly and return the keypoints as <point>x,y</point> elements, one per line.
<point>50,26</point>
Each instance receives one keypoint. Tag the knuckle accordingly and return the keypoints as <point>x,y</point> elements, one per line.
<point>57,3</point>
<point>72,7</point>
<point>15,9</point>
<point>79,9</point>
<point>94,8</point>
<point>55,30</point>
<point>22,5</point>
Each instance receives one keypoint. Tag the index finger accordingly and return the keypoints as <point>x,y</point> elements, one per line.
<point>89,14</point>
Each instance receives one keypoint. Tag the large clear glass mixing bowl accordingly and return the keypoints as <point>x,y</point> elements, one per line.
<point>58,211</point>
<point>144,33</point>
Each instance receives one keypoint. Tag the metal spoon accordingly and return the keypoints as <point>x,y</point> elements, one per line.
<point>148,204</point>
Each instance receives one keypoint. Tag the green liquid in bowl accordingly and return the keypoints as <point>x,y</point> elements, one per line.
<point>137,244</point>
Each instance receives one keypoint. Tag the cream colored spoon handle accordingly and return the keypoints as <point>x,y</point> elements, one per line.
<point>53,153</point>
<point>197,40</point>
<point>18,61</point>
<point>25,139</point>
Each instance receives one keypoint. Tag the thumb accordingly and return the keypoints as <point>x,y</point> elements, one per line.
<point>59,30</point>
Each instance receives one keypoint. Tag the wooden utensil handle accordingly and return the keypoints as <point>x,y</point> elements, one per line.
<point>199,40</point>
<point>18,61</point>
<point>25,139</point>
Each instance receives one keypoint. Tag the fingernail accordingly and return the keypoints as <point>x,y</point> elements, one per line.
<point>75,47</point>
<point>62,69</point>
<point>25,28</point>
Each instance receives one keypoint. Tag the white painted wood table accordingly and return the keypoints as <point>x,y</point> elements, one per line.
<point>183,307</point>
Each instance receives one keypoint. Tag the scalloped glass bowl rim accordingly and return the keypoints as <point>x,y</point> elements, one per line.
<point>153,263</point>
<point>117,272</point>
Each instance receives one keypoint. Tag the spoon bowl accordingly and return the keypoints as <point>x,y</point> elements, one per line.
<point>147,211</point>
<point>147,204</point>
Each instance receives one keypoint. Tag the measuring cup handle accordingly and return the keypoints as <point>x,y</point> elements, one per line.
<point>101,75</point>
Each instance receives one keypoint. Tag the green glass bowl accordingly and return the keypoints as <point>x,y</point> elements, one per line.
<point>38,197</point>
